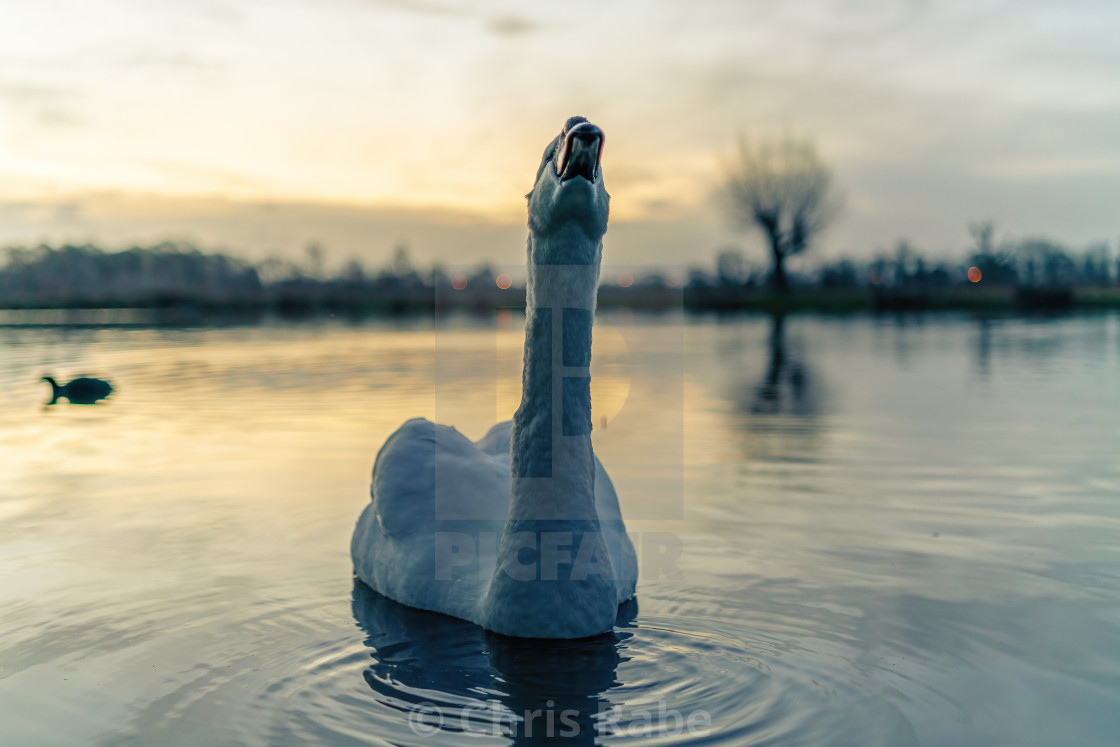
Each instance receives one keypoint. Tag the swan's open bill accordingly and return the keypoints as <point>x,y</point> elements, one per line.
<point>84,390</point>
<point>520,531</point>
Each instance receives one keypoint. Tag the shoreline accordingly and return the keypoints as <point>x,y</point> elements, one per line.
<point>1000,301</point>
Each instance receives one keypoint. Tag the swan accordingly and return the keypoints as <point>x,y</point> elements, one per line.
<point>84,390</point>
<point>521,531</point>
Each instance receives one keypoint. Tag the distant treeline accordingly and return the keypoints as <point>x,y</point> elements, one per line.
<point>1031,273</point>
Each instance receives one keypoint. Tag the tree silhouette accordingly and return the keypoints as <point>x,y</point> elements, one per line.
<point>784,189</point>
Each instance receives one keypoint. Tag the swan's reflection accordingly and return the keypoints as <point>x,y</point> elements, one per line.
<point>451,674</point>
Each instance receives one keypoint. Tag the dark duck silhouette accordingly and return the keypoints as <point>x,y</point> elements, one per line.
<point>84,390</point>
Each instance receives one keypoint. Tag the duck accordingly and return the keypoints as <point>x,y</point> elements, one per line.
<point>521,531</point>
<point>84,390</point>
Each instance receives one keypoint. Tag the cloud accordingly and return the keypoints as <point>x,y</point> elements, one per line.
<point>23,93</point>
<point>44,106</point>
<point>171,59</point>
<point>511,26</point>
<point>58,117</point>
<point>258,229</point>
<point>420,7</point>
<point>185,172</point>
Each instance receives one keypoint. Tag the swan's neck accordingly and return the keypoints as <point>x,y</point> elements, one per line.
<point>554,577</point>
<point>553,465</point>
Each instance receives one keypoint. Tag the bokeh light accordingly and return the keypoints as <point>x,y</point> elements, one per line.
<point>459,282</point>
<point>974,274</point>
<point>504,281</point>
<point>625,279</point>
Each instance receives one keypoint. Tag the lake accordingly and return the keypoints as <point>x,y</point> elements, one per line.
<point>852,530</point>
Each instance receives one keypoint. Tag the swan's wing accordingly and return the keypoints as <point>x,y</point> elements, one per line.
<point>431,485</point>
<point>426,474</point>
<point>496,441</point>
<point>403,482</point>
<point>624,560</point>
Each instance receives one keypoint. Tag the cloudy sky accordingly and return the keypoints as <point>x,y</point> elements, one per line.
<point>262,125</point>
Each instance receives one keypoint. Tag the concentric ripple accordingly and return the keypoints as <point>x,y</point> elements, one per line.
<point>423,678</point>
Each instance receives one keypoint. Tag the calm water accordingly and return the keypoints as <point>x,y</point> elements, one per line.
<point>889,533</point>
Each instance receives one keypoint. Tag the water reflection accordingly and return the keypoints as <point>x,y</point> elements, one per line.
<point>984,347</point>
<point>782,408</point>
<point>451,675</point>
<point>787,388</point>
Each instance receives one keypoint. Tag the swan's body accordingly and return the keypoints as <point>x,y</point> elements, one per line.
<point>84,390</point>
<point>521,531</point>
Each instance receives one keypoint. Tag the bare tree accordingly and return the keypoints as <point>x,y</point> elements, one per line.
<point>782,188</point>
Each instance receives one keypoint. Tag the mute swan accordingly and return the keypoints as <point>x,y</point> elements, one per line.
<point>519,532</point>
<point>81,391</point>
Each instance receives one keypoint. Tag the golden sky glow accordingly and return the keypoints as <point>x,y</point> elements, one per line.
<point>366,122</point>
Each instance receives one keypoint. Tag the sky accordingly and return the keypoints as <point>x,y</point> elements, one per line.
<point>261,126</point>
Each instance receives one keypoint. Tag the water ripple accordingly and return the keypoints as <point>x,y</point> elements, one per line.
<point>655,681</point>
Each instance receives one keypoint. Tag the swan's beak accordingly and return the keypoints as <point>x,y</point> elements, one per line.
<point>581,153</point>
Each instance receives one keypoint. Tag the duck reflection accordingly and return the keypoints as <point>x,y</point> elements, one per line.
<point>451,675</point>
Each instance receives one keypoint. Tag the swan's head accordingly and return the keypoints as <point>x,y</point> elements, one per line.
<point>569,191</point>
